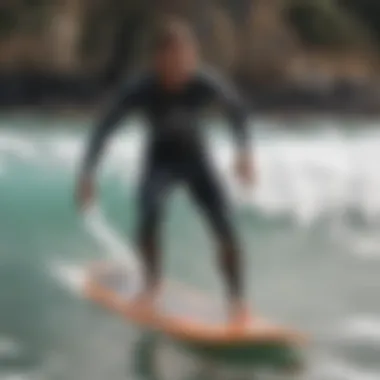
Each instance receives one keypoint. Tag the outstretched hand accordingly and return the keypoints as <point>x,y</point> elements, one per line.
<point>244,169</point>
<point>84,192</point>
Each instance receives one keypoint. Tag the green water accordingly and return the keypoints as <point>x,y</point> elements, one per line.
<point>309,232</point>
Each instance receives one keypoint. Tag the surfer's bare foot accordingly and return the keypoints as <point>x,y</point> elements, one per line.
<point>146,301</point>
<point>240,316</point>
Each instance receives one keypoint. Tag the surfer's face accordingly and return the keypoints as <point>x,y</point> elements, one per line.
<point>176,62</point>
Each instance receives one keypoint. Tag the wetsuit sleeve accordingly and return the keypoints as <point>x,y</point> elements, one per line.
<point>235,108</point>
<point>128,97</point>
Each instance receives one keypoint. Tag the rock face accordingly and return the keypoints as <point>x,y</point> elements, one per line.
<point>83,46</point>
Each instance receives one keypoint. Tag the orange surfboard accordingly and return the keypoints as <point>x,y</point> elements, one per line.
<point>181,313</point>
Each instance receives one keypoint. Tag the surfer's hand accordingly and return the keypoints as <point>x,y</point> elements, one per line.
<point>244,169</point>
<point>85,192</point>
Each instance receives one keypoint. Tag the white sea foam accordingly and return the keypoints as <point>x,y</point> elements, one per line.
<point>305,178</point>
<point>362,328</point>
<point>116,247</point>
<point>70,275</point>
<point>19,147</point>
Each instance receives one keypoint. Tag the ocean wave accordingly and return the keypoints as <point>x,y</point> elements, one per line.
<point>304,178</point>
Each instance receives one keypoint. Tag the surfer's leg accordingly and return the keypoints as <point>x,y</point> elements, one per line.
<point>154,188</point>
<point>209,194</point>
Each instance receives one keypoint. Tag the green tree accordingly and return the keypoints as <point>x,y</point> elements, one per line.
<point>324,23</point>
<point>367,11</point>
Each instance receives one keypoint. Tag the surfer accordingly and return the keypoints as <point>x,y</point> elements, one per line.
<point>171,95</point>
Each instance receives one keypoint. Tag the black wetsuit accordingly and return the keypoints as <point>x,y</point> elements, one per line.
<point>176,153</point>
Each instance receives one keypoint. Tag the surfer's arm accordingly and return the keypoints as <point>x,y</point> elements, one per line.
<point>130,96</point>
<point>234,108</point>
<point>237,114</point>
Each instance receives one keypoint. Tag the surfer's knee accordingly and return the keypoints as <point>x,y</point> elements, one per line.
<point>149,220</point>
<point>147,233</point>
<point>229,252</point>
<point>225,232</point>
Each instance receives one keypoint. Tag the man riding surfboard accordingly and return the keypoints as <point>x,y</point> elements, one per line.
<point>171,94</point>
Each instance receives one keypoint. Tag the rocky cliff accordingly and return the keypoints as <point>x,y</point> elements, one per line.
<point>83,46</point>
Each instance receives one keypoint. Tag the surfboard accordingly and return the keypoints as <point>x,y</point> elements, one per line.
<point>192,318</point>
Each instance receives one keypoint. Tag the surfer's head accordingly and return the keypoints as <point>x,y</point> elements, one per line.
<point>175,52</point>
